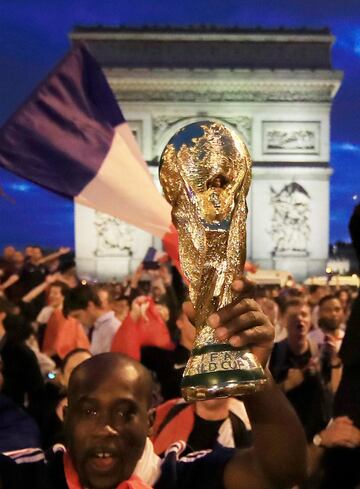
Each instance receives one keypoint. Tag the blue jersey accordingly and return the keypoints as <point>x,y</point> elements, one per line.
<point>36,470</point>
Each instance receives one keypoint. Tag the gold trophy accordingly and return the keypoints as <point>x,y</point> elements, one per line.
<point>205,172</point>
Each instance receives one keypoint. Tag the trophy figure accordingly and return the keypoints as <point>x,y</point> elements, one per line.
<point>205,172</point>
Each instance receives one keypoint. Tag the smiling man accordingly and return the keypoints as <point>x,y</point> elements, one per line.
<point>109,418</point>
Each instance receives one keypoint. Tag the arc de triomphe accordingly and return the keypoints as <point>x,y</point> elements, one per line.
<point>274,87</point>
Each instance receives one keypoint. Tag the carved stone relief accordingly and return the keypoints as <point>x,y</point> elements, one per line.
<point>290,227</point>
<point>296,137</point>
<point>113,237</point>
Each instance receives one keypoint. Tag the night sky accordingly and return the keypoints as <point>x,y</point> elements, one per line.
<point>34,36</point>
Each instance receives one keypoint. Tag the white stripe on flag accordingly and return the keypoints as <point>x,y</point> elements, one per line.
<point>123,188</point>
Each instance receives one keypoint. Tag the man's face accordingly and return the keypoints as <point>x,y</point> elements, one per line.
<point>331,315</point>
<point>28,251</point>
<point>56,298</point>
<point>298,322</point>
<point>121,308</point>
<point>105,457</point>
<point>104,299</point>
<point>18,258</point>
<point>9,252</point>
<point>36,254</point>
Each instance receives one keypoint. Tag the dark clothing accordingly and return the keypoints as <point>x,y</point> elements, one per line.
<point>310,399</point>
<point>341,468</point>
<point>29,310</point>
<point>32,275</point>
<point>51,426</point>
<point>17,429</point>
<point>168,365</point>
<point>6,270</point>
<point>205,432</point>
<point>200,470</point>
<point>171,301</point>
<point>341,465</point>
<point>23,382</point>
<point>347,398</point>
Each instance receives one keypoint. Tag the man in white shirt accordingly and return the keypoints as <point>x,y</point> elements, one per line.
<point>84,304</point>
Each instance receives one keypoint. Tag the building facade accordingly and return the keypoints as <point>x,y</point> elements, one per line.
<point>273,87</point>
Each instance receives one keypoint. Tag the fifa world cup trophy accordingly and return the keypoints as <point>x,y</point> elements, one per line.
<point>205,172</point>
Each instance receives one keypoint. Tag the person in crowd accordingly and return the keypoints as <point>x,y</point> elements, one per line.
<point>168,365</point>
<point>121,307</point>
<point>339,437</point>
<point>158,289</point>
<point>6,263</point>
<point>139,283</point>
<point>271,309</point>
<point>106,298</point>
<point>9,262</point>
<point>157,284</point>
<point>62,334</point>
<point>33,272</point>
<point>5,308</point>
<point>23,382</point>
<point>342,460</point>
<point>202,425</point>
<point>295,365</point>
<point>109,417</point>
<point>18,261</point>
<point>143,326</point>
<point>165,294</point>
<point>83,303</point>
<point>345,297</point>
<point>25,308</point>
<point>330,320</point>
<point>281,329</point>
<point>8,254</point>
<point>328,338</point>
<point>69,276</point>
<point>315,293</point>
<point>18,430</point>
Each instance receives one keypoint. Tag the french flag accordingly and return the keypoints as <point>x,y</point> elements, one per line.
<point>71,137</point>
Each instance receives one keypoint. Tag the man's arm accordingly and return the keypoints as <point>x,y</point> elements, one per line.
<point>54,256</point>
<point>10,281</point>
<point>39,289</point>
<point>278,457</point>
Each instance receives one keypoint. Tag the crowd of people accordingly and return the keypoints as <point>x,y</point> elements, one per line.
<point>132,340</point>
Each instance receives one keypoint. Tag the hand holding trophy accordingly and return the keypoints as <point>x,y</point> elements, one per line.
<point>205,172</point>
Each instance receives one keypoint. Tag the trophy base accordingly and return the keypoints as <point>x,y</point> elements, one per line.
<point>221,371</point>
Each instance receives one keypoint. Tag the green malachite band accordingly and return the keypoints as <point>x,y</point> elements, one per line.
<point>211,379</point>
<point>215,347</point>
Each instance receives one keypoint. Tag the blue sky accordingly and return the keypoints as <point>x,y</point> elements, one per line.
<point>34,35</point>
